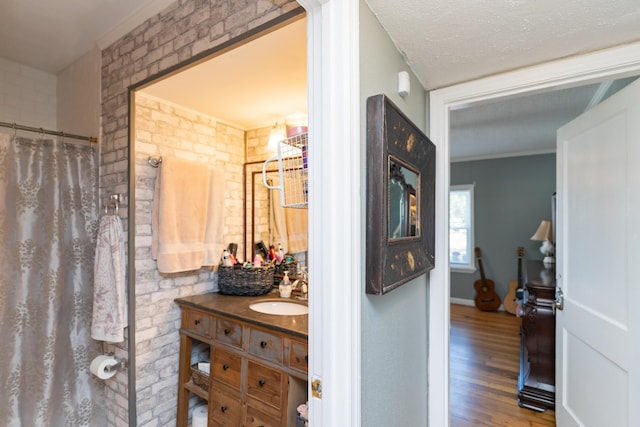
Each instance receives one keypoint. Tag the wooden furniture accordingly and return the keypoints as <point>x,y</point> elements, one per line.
<point>258,362</point>
<point>536,382</point>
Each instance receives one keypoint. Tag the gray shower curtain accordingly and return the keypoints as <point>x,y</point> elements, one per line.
<point>48,220</point>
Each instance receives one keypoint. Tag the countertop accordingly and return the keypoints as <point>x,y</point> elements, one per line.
<point>237,307</point>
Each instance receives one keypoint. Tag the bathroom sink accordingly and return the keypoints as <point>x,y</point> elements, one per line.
<point>282,308</point>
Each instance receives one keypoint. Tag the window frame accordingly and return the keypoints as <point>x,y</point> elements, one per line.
<point>468,267</point>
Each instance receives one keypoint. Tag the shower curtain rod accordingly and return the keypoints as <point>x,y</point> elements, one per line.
<point>49,132</point>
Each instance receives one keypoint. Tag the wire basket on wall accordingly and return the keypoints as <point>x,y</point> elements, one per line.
<point>292,171</point>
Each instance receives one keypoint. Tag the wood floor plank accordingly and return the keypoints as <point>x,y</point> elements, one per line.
<point>484,366</point>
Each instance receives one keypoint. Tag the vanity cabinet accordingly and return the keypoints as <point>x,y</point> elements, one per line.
<point>258,371</point>
<point>536,382</point>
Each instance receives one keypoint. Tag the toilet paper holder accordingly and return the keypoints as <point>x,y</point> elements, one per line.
<point>122,363</point>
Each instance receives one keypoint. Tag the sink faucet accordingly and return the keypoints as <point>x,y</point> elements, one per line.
<point>303,283</point>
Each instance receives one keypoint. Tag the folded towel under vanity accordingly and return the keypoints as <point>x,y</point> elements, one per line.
<point>109,296</point>
<point>187,216</point>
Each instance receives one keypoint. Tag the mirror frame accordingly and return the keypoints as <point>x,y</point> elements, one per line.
<point>252,177</point>
<point>393,262</point>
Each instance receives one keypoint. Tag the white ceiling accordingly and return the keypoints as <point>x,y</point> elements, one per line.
<point>268,81</point>
<point>444,41</point>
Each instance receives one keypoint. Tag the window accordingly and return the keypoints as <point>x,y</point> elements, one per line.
<point>461,228</point>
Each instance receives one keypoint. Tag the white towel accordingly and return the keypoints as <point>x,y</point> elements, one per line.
<point>290,224</point>
<point>187,216</point>
<point>109,288</point>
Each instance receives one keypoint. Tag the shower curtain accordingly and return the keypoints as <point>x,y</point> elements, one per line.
<point>48,223</point>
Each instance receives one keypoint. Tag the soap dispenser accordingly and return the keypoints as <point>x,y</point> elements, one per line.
<point>285,286</point>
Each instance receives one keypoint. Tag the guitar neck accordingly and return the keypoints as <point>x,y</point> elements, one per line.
<point>481,270</point>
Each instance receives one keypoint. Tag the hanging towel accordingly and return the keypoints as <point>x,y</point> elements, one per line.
<point>290,225</point>
<point>187,215</point>
<point>297,229</point>
<point>109,295</point>
<point>213,241</point>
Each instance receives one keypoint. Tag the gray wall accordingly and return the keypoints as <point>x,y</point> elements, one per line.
<point>394,326</point>
<point>512,196</point>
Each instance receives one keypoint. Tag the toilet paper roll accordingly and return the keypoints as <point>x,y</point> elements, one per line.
<point>101,367</point>
<point>199,417</point>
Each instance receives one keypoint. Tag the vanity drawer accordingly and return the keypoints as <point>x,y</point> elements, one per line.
<point>265,345</point>
<point>257,418</point>
<point>227,367</point>
<point>225,408</point>
<point>229,332</point>
<point>198,322</point>
<point>264,383</point>
<point>299,356</point>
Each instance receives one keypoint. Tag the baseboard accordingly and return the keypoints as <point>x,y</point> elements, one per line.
<point>462,301</point>
<point>469,302</point>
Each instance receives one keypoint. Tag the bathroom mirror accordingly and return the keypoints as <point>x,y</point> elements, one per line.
<point>400,203</point>
<point>257,221</point>
<point>265,220</point>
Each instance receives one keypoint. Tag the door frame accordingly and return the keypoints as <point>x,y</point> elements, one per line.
<point>614,63</point>
<point>335,214</point>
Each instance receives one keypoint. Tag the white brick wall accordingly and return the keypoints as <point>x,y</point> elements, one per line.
<point>183,30</point>
<point>163,129</point>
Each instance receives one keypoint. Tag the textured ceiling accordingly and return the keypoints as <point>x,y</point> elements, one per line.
<point>444,41</point>
<point>50,35</point>
<point>522,125</point>
<point>453,41</point>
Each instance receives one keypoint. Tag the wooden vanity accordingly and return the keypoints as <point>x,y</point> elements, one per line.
<point>258,361</point>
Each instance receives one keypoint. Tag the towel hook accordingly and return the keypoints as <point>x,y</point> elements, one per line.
<point>154,161</point>
<point>114,202</point>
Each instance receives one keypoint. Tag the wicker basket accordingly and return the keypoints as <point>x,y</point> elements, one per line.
<point>199,378</point>
<point>245,281</point>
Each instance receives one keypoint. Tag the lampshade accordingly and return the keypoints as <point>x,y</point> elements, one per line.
<point>543,232</point>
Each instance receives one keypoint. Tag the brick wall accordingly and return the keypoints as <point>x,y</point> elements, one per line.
<point>184,30</point>
<point>167,130</point>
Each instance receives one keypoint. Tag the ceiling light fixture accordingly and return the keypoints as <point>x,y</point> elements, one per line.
<point>276,135</point>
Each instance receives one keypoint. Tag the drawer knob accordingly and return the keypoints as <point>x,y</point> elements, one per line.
<point>197,321</point>
<point>223,409</point>
<point>261,382</point>
<point>227,331</point>
<point>263,344</point>
<point>225,367</point>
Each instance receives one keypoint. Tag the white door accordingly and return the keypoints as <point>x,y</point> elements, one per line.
<point>598,265</point>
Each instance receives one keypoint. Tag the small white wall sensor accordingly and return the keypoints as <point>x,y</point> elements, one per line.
<point>404,83</point>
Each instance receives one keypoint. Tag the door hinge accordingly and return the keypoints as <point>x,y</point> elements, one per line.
<point>316,388</point>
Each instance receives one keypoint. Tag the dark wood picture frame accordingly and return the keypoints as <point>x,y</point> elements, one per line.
<point>393,139</point>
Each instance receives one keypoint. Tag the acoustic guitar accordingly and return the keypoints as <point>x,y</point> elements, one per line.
<point>486,297</point>
<point>510,305</point>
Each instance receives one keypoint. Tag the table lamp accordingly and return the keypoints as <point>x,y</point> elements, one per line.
<point>543,234</point>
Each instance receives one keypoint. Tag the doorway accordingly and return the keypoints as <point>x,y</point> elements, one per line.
<point>175,119</point>
<point>609,64</point>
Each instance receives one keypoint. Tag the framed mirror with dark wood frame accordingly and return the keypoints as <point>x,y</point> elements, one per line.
<point>400,225</point>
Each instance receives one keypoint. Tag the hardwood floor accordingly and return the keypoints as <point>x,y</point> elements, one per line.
<point>485,362</point>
